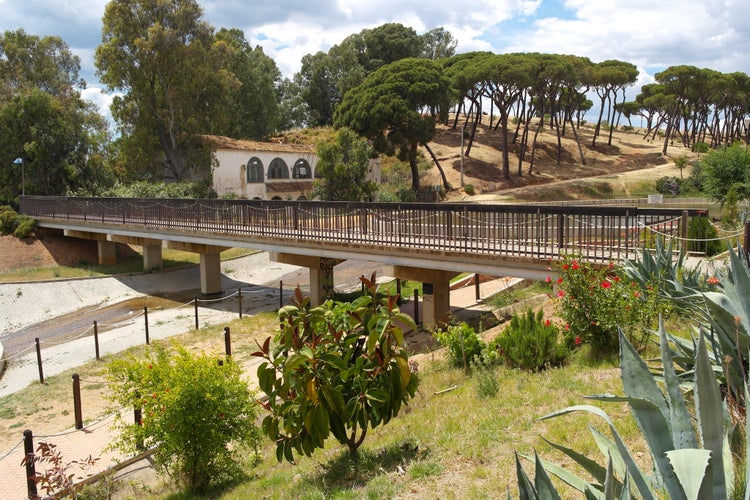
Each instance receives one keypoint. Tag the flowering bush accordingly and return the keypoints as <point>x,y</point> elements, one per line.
<point>531,343</point>
<point>594,301</point>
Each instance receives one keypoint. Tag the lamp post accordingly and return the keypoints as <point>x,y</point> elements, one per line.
<point>19,161</point>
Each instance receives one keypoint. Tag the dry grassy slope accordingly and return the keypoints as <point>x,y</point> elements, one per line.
<point>483,168</point>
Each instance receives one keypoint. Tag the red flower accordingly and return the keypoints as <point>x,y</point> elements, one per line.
<point>546,322</point>
<point>636,294</point>
<point>561,294</point>
<point>712,280</point>
<point>559,280</point>
<point>150,366</point>
<point>567,326</point>
<point>548,280</point>
<point>611,265</point>
<point>606,284</point>
<point>565,266</point>
<point>617,279</point>
<point>574,265</point>
<point>578,340</point>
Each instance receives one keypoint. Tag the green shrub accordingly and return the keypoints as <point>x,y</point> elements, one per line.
<point>486,382</point>
<point>193,409</point>
<point>25,226</point>
<point>531,343</point>
<point>465,347</point>
<point>469,189</point>
<point>703,237</point>
<point>8,220</point>
<point>668,185</point>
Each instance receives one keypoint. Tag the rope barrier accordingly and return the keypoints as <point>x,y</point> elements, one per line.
<point>7,454</point>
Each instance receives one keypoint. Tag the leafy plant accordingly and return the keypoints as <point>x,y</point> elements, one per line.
<point>668,185</point>
<point>688,462</point>
<point>595,301</point>
<point>703,237</point>
<point>336,369</point>
<point>25,226</point>
<point>469,189</point>
<point>464,346</point>
<point>531,343</point>
<point>193,408</point>
<point>59,477</point>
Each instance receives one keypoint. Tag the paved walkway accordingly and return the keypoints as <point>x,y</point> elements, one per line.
<point>92,440</point>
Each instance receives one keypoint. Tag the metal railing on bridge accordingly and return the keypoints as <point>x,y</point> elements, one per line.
<point>526,231</point>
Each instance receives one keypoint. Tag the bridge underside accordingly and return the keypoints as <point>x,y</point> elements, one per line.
<point>434,269</point>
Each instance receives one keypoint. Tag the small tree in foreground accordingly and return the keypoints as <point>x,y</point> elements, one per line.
<point>340,368</point>
<point>192,408</point>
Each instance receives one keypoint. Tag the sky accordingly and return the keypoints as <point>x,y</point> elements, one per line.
<point>652,35</point>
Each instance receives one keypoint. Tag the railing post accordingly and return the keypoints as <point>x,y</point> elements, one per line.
<point>416,306</point>
<point>145,321</point>
<point>77,411</point>
<point>28,449</point>
<point>239,298</point>
<point>39,359</point>
<point>96,339</point>
<point>196,312</point>
<point>561,232</point>
<point>684,233</point>
<point>227,341</point>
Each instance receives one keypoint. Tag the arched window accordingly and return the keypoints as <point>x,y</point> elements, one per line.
<point>302,170</point>
<point>278,169</point>
<point>255,170</point>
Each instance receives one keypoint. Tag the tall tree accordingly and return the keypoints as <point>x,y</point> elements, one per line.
<point>438,43</point>
<point>388,43</point>
<point>253,109</point>
<point>59,138</point>
<point>343,168</point>
<point>388,108</point>
<point>163,58</point>
<point>608,79</point>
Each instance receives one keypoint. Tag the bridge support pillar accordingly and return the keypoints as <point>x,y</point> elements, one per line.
<point>107,253</point>
<point>436,296</point>
<point>152,258</point>
<point>210,273</point>
<point>321,273</point>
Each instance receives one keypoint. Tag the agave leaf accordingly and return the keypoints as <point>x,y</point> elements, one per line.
<point>625,494</point>
<point>639,478</point>
<point>681,423</point>
<point>609,449</point>
<point>544,487</point>
<point>747,450</point>
<point>565,475</point>
<point>525,488</point>
<point>609,482</point>
<point>710,415</point>
<point>591,466</point>
<point>690,468</point>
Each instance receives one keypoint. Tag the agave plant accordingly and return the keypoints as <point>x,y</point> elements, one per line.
<point>690,454</point>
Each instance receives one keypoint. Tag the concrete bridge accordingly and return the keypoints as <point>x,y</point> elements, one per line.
<point>425,242</point>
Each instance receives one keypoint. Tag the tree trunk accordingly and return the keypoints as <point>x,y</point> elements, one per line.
<point>578,142</point>
<point>414,168</point>
<point>446,185</point>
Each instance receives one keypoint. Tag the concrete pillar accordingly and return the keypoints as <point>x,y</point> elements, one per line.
<point>210,273</point>
<point>107,252</point>
<point>436,296</point>
<point>152,258</point>
<point>321,273</point>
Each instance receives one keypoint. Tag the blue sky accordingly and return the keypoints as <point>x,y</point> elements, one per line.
<point>651,35</point>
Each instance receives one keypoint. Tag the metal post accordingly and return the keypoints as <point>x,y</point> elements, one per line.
<point>145,320</point>
<point>96,339</point>
<point>281,294</point>
<point>416,306</point>
<point>28,449</point>
<point>77,401</point>
<point>196,312</point>
<point>239,295</point>
<point>227,341</point>
<point>476,286</point>
<point>39,359</point>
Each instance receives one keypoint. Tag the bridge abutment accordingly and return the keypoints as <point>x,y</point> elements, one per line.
<point>321,273</point>
<point>436,294</point>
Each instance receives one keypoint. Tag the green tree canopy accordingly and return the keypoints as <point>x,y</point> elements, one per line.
<point>253,109</point>
<point>394,108</point>
<point>59,137</point>
<point>725,168</point>
<point>163,57</point>
<point>343,166</point>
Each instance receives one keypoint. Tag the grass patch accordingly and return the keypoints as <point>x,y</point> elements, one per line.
<point>517,294</point>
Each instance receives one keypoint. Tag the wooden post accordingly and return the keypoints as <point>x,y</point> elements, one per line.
<point>746,241</point>
<point>96,339</point>
<point>137,418</point>
<point>227,341</point>
<point>145,320</point>
<point>398,290</point>
<point>239,296</point>
<point>196,312</point>
<point>39,359</point>
<point>28,449</point>
<point>281,294</point>
<point>476,286</point>
<point>77,411</point>
<point>416,306</point>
